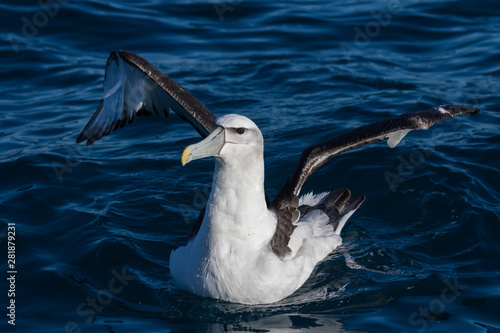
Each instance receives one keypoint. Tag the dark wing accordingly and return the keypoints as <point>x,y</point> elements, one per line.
<point>393,130</point>
<point>134,87</point>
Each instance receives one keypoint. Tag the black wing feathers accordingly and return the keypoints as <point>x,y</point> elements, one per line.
<point>339,203</point>
<point>316,155</point>
<point>133,87</point>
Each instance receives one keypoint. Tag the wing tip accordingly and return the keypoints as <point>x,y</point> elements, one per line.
<point>86,136</point>
<point>425,119</point>
<point>475,110</point>
<point>456,110</point>
<point>80,139</point>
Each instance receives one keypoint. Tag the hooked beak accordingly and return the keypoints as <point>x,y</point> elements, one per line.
<point>210,146</point>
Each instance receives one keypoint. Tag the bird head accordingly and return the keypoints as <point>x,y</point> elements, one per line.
<point>234,135</point>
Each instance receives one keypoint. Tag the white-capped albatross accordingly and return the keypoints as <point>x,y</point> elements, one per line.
<point>244,248</point>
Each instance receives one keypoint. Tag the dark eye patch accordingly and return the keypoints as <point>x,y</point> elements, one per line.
<point>240,130</point>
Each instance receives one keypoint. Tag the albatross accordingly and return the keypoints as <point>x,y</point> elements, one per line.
<point>243,247</point>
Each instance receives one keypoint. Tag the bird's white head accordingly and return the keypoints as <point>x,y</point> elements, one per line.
<point>234,136</point>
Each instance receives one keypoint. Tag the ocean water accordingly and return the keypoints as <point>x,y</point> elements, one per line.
<point>94,226</point>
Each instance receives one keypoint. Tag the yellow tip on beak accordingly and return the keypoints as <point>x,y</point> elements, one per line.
<point>210,146</point>
<point>186,155</point>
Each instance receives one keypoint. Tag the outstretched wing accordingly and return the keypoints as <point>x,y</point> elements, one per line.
<point>134,87</point>
<point>393,130</point>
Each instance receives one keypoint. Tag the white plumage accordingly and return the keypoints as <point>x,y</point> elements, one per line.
<point>245,249</point>
<point>230,258</point>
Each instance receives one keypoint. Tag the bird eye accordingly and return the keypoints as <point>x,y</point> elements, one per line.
<point>240,130</point>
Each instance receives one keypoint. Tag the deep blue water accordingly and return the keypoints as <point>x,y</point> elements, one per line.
<point>427,235</point>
